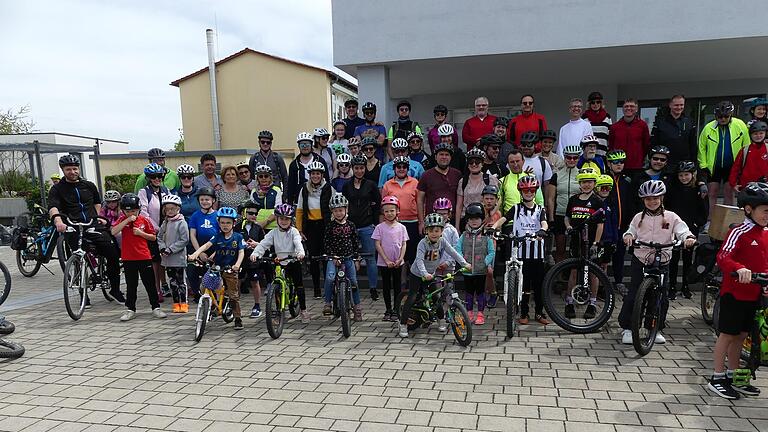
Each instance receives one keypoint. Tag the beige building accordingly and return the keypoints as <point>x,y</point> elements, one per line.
<point>258,91</point>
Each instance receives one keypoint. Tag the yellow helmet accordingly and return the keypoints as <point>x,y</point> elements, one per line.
<point>604,180</point>
<point>586,174</point>
<point>56,176</point>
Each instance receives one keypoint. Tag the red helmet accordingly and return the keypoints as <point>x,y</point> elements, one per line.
<point>390,199</point>
<point>527,182</point>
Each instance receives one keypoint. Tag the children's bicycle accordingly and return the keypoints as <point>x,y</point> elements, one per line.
<point>213,302</point>
<point>342,292</point>
<point>755,349</point>
<point>440,294</point>
<point>279,296</point>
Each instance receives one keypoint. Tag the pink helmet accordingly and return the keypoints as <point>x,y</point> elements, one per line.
<point>442,204</point>
<point>390,199</point>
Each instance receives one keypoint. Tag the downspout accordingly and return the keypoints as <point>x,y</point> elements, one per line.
<point>214,98</point>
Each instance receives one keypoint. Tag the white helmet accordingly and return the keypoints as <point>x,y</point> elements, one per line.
<point>171,199</point>
<point>652,188</point>
<point>304,136</point>
<point>589,139</point>
<point>338,200</point>
<point>316,166</point>
<point>185,169</point>
<point>572,149</point>
<point>445,130</point>
<point>399,143</point>
<point>263,169</point>
<point>344,158</point>
<point>321,132</point>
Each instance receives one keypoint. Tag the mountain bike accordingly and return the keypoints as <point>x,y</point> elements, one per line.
<point>279,295</point>
<point>35,239</point>
<point>755,349</point>
<point>439,294</point>
<point>573,281</point>
<point>213,302</point>
<point>5,288</point>
<point>342,291</point>
<point>707,272</point>
<point>8,349</point>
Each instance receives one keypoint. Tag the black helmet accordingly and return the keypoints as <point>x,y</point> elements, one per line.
<point>757,126</point>
<point>349,102</point>
<point>444,146</point>
<point>155,153</point>
<point>724,108</point>
<point>754,194</point>
<point>595,95</point>
<point>659,149</point>
<point>474,210</point>
<point>130,201</point>
<point>266,135</point>
<point>69,160</point>
<point>549,133</point>
<point>403,103</point>
<point>491,139</point>
<point>490,190</point>
<point>500,121</point>
<point>205,190</point>
<point>529,137</point>
<point>369,106</point>
<point>369,140</point>
<point>686,166</point>
<point>440,109</point>
<point>360,160</point>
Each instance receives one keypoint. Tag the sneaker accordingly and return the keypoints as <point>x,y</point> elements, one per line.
<point>327,310</point>
<point>570,311</point>
<point>621,289</point>
<point>318,294</point>
<point>542,319</point>
<point>403,331</point>
<point>387,316</point>
<point>590,312</point>
<point>358,313</point>
<point>166,290</point>
<point>523,320</point>
<point>480,319</point>
<point>747,390</point>
<point>660,339</point>
<point>176,308</point>
<point>687,292</point>
<point>492,300</point>
<point>471,316</point>
<point>443,325</point>
<point>158,313</point>
<point>722,388</point>
<point>255,312</point>
<point>672,294</point>
<point>304,315</point>
<point>128,315</point>
<point>184,307</point>
<point>395,317</point>
<point>238,323</point>
<point>117,296</point>
<point>374,295</point>
<point>626,337</point>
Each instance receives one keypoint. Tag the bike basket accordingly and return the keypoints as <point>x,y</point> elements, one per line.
<point>19,239</point>
<point>211,280</point>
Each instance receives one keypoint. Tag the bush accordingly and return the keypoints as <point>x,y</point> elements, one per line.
<point>122,183</point>
<point>20,185</point>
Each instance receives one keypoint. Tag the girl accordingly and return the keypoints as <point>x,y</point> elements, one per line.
<point>231,193</point>
<point>111,211</point>
<point>150,197</point>
<point>390,237</point>
<point>341,240</point>
<point>343,171</point>
<point>172,239</point>
<point>202,227</point>
<point>479,250</point>
<point>444,208</point>
<point>266,195</point>
<point>312,215</point>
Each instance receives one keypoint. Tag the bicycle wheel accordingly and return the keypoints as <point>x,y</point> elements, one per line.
<point>645,316</point>
<point>709,295</point>
<point>202,316</point>
<point>226,311</point>
<point>460,325</point>
<point>63,251</point>
<point>293,301</point>
<point>513,307</point>
<point>101,277</point>
<point>274,309</point>
<point>28,261</point>
<point>6,286</point>
<point>75,280</point>
<point>341,298</point>
<point>557,288</point>
<point>10,350</point>
<point>6,327</point>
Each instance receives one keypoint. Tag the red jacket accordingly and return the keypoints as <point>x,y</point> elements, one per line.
<point>755,168</point>
<point>633,137</point>
<point>746,246</point>
<point>533,122</point>
<point>474,129</point>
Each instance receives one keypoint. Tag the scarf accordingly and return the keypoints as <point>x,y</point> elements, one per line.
<point>595,116</point>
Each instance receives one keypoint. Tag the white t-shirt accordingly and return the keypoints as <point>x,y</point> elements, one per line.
<point>534,162</point>
<point>572,133</point>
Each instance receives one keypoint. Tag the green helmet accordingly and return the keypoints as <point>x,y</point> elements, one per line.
<point>615,155</point>
<point>434,219</point>
<point>586,174</point>
<point>604,180</point>
<point>338,148</point>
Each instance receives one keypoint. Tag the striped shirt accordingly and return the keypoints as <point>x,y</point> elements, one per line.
<point>527,221</point>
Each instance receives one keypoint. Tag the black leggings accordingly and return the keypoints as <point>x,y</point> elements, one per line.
<point>314,232</point>
<point>293,271</point>
<point>533,277</point>
<point>177,284</point>
<point>133,270</point>
<point>474,287</point>
<point>390,282</point>
<point>415,285</point>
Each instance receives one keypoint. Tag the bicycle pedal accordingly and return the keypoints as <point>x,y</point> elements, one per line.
<point>742,377</point>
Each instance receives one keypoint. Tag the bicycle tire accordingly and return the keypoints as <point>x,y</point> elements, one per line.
<point>400,302</point>
<point>21,261</point>
<point>341,298</point>
<point>62,251</point>
<point>202,316</point>
<point>709,295</point>
<point>558,316</point>
<point>274,309</point>
<point>460,324</point>
<point>10,350</point>
<point>513,308</point>
<point>6,288</point>
<point>7,327</point>
<point>74,297</point>
<point>103,279</point>
<point>645,302</point>
<point>226,311</point>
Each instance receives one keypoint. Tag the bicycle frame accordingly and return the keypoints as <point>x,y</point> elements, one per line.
<point>429,302</point>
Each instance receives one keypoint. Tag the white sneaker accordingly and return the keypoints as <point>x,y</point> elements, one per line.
<point>304,317</point>
<point>158,313</point>
<point>626,337</point>
<point>128,315</point>
<point>443,326</point>
<point>403,331</point>
<point>660,338</point>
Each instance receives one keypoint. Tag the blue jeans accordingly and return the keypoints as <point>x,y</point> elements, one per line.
<point>330,275</point>
<point>368,246</point>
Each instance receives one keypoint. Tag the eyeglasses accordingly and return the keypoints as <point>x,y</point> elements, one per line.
<point>244,172</point>
<point>658,159</point>
<point>264,176</point>
<point>265,142</point>
<point>186,177</point>
<point>571,158</point>
<point>341,165</point>
<point>475,162</point>
<point>527,103</point>
<point>630,107</point>
<point>251,213</point>
<point>575,107</point>
<point>605,188</point>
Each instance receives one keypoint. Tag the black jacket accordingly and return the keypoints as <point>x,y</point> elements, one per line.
<point>679,135</point>
<point>623,198</point>
<point>364,203</point>
<point>687,203</point>
<point>297,178</point>
<point>75,200</point>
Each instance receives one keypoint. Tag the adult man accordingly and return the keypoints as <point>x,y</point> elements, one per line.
<point>589,157</point>
<point>500,130</point>
<point>533,164</point>
<point>630,133</point>
<point>171,180</point>
<point>508,193</point>
<point>442,181</point>
<point>577,128</point>
<point>719,143</point>
<point>599,119</point>
<point>372,128</point>
<point>417,153</point>
<point>676,131</point>
<point>478,125</point>
<point>403,125</point>
<point>399,148</point>
<point>297,172</point>
<point>352,121</point>
<point>491,144</point>
<point>265,156</point>
<point>208,177</point>
<point>526,121</point>
<point>79,200</point>
<point>441,115</point>
<point>458,159</point>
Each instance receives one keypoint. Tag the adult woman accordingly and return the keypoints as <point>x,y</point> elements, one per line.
<point>150,197</point>
<point>266,194</point>
<point>471,185</point>
<point>373,165</point>
<point>562,186</point>
<point>232,193</point>
<point>186,191</point>
<point>441,114</point>
<point>244,176</point>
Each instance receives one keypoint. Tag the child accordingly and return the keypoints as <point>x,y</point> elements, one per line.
<point>111,211</point>
<point>492,214</point>
<point>652,224</point>
<point>137,260</point>
<point>341,240</point>
<point>253,233</point>
<point>529,218</point>
<point>444,208</point>
<point>228,250</point>
<point>621,200</point>
<point>610,236</point>
<point>684,198</point>
<point>744,251</point>
<point>202,227</point>
<point>312,215</point>
<point>390,237</point>
<point>172,239</point>
<point>478,249</point>
<point>428,259</point>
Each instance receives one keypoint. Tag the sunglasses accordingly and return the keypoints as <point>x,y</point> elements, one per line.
<point>572,158</point>
<point>605,188</point>
<point>401,166</point>
<point>305,144</point>
<point>264,176</point>
<point>527,144</point>
<point>527,103</point>
<point>155,177</point>
<point>343,165</point>
<point>475,162</point>
<point>440,114</point>
<point>658,159</point>
<point>595,102</point>
<point>265,142</point>
<point>244,172</point>
<point>186,177</point>
<point>528,190</point>
<point>252,213</point>
<point>617,161</point>
<point>367,149</point>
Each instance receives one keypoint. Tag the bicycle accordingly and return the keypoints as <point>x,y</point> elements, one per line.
<point>707,272</point>
<point>279,295</point>
<point>6,286</point>
<point>424,311</point>
<point>754,351</point>
<point>34,240</point>
<point>213,302</point>
<point>8,349</point>
<point>581,273</point>
<point>342,291</point>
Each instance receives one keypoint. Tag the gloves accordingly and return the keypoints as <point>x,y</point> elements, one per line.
<point>703,189</point>
<point>593,250</point>
<point>542,233</point>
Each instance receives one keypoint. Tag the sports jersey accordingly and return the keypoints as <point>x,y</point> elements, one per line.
<point>527,220</point>
<point>226,248</point>
<point>580,210</point>
<point>746,246</point>
<point>135,248</point>
<point>205,225</point>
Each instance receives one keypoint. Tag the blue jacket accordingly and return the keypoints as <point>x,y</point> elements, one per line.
<point>415,170</point>
<point>189,203</point>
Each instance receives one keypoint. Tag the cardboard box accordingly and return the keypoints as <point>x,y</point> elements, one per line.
<point>723,217</point>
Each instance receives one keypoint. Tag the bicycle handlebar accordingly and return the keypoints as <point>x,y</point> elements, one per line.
<point>758,278</point>
<point>275,260</point>
<point>500,236</point>
<point>69,222</point>
<point>677,244</point>
<point>324,257</point>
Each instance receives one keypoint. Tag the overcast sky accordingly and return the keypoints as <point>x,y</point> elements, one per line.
<point>103,68</point>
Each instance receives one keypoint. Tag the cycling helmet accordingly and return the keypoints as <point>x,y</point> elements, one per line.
<point>56,176</point>
<point>400,160</point>
<point>474,210</point>
<point>69,160</point>
<point>586,174</point>
<point>572,149</point>
<point>659,149</point>
<point>343,158</point>
<point>321,132</point>
<point>527,182</point>
<point>724,108</point>
<point>652,188</point>
<point>155,153</point>
<point>111,195</point>
<point>413,135</point>
<point>604,180</point>
<point>338,200</point>
<point>403,103</point>
<point>368,106</point>
<point>444,146</point>
<point>130,201</point>
<point>442,204</point>
<point>360,160</point>
<point>475,153</point>
<point>616,155</point>
<point>285,210</point>
<point>368,141</point>
<point>529,137</point>
<point>595,95</point>
<point>390,199</point>
<point>304,136</point>
<point>354,141</point>
<point>589,139</point>
<point>154,169</point>
<point>445,130</point>
<point>491,140</point>
<point>226,212</point>
<point>399,144</point>
<point>500,121</point>
<point>753,195</point>
<point>686,166</point>
<point>434,219</point>
<point>757,126</point>
<point>316,166</point>
<point>171,199</point>
<point>185,169</point>
<point>549,133</point>
<point>263,169</point>
<point>243,164</point>
<point>759,101</point>
<point>338,148</point>
<point>490,190</point>
<point>266,135</point>
<point>440,109</point>
<point>206,191</point>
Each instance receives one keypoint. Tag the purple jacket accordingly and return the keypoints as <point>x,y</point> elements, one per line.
<point>434,138</point>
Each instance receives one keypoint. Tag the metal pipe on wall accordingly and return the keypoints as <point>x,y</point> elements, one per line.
<point>214,97</point>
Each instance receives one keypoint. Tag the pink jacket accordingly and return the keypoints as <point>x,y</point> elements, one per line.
<point>664,228</point>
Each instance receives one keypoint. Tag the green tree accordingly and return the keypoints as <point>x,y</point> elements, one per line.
<point>16,121</point>
<point>179,145</point>
<point>14,165</point>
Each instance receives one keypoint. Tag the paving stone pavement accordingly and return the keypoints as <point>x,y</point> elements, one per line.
<point>99,374</point>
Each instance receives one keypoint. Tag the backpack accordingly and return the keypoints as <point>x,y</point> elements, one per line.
<point>465,180</point>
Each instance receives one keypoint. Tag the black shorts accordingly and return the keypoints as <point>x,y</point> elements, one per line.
<point>254,273</point>
<point>154,250</point>
<point>720,175</point>
<point>558,227</point>
<point>736,316</point>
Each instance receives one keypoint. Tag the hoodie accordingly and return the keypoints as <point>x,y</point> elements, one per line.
<point>174,235</point>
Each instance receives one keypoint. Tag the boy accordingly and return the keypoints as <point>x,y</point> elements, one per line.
<point>252,233</point>
<point>172,239</point>
<point>744,251</point>
<point>444,208</point>
<point>228,248</point>
<point>610,236</point>
<point>622,202</point>
<point>341,240</point>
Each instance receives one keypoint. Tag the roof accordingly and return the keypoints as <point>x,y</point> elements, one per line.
<point>333,75</point>
<point>46,147</point>
<point>67,135</point>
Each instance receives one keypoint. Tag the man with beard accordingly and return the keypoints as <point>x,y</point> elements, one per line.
<point>491,144</point>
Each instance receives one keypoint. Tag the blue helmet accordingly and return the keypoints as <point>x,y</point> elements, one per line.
<point>154,168</point>
<point>226,212</point>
